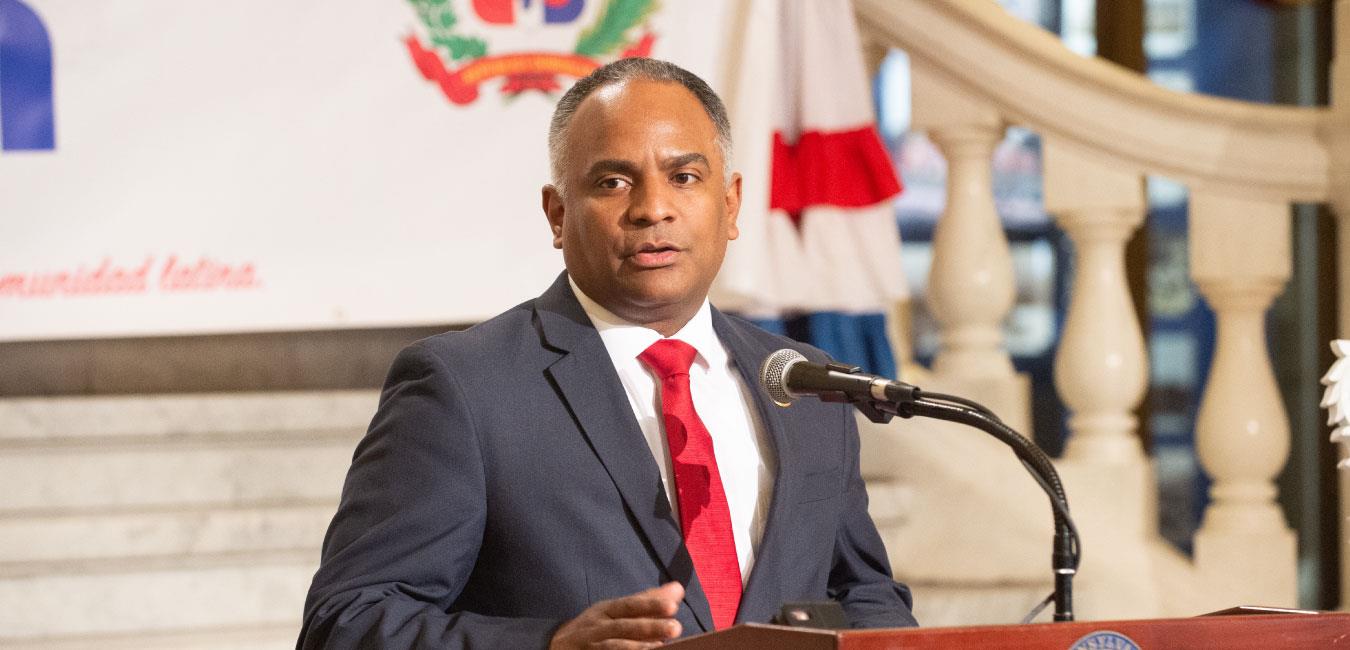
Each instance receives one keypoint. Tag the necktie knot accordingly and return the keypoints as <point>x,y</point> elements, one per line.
<point>669,357</point>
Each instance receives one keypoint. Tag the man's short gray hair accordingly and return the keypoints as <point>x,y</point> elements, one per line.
<point>627,70</point>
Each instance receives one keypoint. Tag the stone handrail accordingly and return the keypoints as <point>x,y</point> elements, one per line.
<point>1276,152</point>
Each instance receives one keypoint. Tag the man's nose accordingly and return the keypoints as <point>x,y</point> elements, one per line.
<point>652,201</point>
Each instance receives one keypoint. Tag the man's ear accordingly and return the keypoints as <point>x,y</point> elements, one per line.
<point>733,205</point>
<point>553,211</point>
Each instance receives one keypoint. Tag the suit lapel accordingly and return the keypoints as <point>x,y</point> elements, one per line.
<point>586,380</point>
<point>763,595</point>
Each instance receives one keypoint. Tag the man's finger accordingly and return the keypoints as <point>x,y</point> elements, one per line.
<point>673,589</point>
<point>639,607</point>
<point>638,629</point>
<point>658,601</point>
<point>621,644</point>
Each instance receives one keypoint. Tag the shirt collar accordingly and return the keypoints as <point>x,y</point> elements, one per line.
<point>625,340</point>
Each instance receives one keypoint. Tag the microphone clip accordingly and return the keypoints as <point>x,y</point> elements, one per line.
<point>878,411</point>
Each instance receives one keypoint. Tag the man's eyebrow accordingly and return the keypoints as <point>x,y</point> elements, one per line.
<point>612,165</point>
<point>684,160</point>
<point>629,168</point>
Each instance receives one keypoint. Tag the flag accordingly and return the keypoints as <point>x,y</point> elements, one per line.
<point>819,253</point>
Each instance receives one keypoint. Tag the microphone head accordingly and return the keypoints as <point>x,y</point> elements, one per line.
<point>773,375</point>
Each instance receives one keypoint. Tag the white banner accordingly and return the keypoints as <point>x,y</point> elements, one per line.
<point>262,165</point>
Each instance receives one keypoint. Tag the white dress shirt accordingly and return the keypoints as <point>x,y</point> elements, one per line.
<point>745,457</point>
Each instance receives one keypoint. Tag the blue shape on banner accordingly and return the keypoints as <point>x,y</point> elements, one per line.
<point>857,339</point>
<point>502,12</point>
<point>564,11</point>
<point>27,119</point>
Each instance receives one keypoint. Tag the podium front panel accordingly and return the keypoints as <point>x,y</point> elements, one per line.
<point>1260,632</point>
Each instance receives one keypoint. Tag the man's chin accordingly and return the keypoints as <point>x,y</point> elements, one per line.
<point>658,304</point>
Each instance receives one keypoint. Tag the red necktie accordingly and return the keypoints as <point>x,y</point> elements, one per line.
<point>704,515</point>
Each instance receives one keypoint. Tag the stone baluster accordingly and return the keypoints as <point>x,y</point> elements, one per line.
<point>971,284</point>
<point>1101,374</point>
<point>1240,260</point>
<point>1100,365</point>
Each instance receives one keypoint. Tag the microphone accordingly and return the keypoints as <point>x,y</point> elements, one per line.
<point>787,375</point>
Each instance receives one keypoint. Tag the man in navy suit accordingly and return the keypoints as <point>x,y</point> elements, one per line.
<point>598,467</point>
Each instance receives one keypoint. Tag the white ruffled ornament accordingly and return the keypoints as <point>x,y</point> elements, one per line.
<point>1336,399</point>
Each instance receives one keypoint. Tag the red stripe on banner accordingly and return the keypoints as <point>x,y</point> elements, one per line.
<point>848,169</point>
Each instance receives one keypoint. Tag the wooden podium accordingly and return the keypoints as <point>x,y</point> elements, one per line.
<point>1302,631</point>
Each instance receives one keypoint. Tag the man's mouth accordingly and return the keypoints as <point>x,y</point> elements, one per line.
<point>655,255</point>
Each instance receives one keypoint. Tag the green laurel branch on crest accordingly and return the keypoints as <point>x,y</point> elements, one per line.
<point>439,18</point>
<point>609,32</point>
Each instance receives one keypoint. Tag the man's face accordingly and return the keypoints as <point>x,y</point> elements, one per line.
<point>648,209</point>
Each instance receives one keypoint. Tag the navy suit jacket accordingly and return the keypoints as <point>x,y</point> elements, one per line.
<point>504,486</point>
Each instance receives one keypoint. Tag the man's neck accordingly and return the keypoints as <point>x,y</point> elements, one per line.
<point>664,326</point>
<point>668,328</point>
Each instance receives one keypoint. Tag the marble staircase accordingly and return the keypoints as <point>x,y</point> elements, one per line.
<point>187,521</point>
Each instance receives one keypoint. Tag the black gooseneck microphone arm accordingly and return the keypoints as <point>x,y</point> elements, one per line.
<point>1065,556</point>
<point>1067,547</point>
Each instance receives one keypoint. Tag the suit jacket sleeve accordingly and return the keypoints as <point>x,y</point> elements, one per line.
<point>409,526</point>
<point>860,577</point>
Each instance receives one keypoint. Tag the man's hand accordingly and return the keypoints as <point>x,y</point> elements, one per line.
<point>643,620</point>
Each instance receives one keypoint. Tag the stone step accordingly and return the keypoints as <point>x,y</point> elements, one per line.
<point>29,540</point>
<point>82,479</point>
<point>173,416</point>
<point>260,637</point>
<point>163,595</point>
<point>86,456</point>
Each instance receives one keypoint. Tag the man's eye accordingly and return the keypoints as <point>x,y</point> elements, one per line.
<point>685,178</point>
<point>613,183</point>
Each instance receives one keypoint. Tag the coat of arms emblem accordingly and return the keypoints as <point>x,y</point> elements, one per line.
<point>457,54</point>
